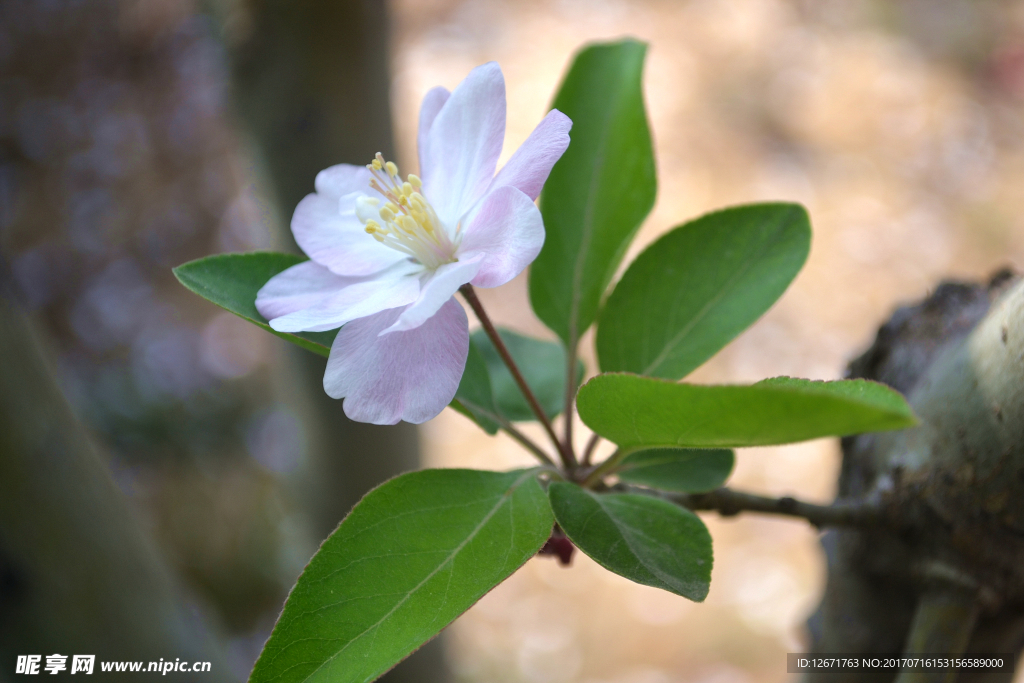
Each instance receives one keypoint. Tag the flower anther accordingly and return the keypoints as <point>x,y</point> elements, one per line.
<point>410,223</point>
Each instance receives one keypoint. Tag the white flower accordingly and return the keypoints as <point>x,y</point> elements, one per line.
<point>387,254</point>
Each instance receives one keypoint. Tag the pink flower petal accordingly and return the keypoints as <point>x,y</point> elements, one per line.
<point>296,288</point>
<point>435,290</point>
<point>409,375</point>
<point>432,103</point>
<point>530,165</point>
<point>507,232</point>
<point>327,229</point>
<point>464,143</point>
<point>310,298</point>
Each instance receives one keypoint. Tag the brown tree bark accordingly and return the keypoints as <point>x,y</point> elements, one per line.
<point>942,571</point>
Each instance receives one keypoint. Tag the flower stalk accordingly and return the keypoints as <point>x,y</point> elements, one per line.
<point>568,459</point>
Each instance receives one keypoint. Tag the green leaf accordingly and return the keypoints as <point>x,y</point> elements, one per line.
<point>413,555</point>
<point>232,280</point>
<point>543,366</point>
<point>640,412</point>
<point>691,292</point>
<point>684,470</point>
<point>645,539</point>
<point>475,398</point>
<point>599,191</point>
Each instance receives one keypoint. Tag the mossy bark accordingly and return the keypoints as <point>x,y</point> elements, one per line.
<point>944,571</point>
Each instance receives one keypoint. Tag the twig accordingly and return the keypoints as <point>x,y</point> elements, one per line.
<point>728,503</point>
<point>568,459</point>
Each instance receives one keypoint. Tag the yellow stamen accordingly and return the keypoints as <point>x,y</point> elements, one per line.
<point>407,223</point>
<point>410,224</point>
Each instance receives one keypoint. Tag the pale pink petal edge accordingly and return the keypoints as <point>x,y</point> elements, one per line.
<point>528,168</point>
<point>507,232</point>
<point>409,375</point>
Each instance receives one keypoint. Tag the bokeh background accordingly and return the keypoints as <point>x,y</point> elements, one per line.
<point>138,134</point>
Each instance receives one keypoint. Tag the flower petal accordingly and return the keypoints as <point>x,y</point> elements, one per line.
<point>296,288</point>
<point>464,143</point>
<point>530,165</point>
<point>507,232</point>
<point>327,229</point>
<point>432,103</point>
<point>409,375</point>
<point>342,179</point>
<point>436,289</point>
<point>310,298</point>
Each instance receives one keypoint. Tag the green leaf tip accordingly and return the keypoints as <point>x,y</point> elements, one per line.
<point>645,539</point>
<point>599,192</point>
<point>642,412</point>
<point>697,287</point>
<point>231,281</point>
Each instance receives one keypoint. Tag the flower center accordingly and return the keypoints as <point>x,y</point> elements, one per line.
<point>410,224</point>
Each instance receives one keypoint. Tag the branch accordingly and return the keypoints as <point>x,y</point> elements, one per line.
<point>729,503</point>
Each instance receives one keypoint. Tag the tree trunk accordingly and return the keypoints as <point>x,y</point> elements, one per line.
<point>943,572</point>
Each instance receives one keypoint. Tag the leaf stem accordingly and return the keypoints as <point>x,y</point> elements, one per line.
<point>568,459</point>
<point>525,441</point>
<point>588,452</point>
<point>570,399</point>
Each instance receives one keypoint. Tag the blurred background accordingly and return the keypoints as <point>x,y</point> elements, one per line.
<point>200,464</point>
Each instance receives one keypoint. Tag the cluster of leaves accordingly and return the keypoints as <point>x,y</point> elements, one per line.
<point>422,548</point>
